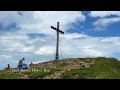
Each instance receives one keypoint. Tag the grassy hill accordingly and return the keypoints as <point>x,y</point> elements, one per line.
<point>71,68</point>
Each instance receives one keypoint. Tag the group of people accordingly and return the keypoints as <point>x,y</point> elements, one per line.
<point>19,64</point>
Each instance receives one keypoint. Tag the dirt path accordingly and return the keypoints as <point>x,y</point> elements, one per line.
<point>55,75</point>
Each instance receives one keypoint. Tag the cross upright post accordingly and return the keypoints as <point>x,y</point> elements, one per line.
<point>57,43</point>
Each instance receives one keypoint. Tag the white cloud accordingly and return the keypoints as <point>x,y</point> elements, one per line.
<point>114,40</point>
<point>103,20</point>
<point>44,19</point>
<point>90,46</point>
<point>5,56</point>
<point>33,22</point>
<point>93,52</point>
<point>45,50</point>
<point>104,13</point>
<point>73,35</point>
<point>78,45</point>
<point>39,61</point>
<point>106,21</point>
<point>102,23</point>
<point>8,17</point>
<point>28,49</point>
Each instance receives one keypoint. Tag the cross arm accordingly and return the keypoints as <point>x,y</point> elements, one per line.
<point>56,29</point>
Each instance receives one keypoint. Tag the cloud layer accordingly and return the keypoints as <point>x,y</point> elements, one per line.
<point>36,41</point>
<point>104,20</point>
<point>17,42</point>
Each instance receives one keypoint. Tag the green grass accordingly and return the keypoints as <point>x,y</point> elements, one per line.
<point>8,75</point>
<point>41,74</point>
<point>105,68</point>
<point>36,75</point>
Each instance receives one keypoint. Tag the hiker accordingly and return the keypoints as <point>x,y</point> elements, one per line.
<point>30,64</point>
<point>8,66</point>
<point>20,64</point>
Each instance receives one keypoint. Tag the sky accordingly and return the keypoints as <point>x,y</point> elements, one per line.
<point>27,34</point>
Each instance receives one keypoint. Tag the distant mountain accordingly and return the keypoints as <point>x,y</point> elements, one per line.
<point>70,68</point>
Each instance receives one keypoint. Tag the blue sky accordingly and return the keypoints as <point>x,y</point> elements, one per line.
<point>28,34</point>
<point>87,27</point>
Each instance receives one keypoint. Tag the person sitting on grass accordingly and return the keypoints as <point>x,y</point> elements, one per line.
<point>8,66</point>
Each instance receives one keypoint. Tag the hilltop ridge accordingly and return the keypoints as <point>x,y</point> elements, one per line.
<point>70,68</point>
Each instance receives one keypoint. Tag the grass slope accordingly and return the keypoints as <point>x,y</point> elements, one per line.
<point>104,68</point>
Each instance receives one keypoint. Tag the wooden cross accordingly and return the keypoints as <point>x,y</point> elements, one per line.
<point>57,44</point>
